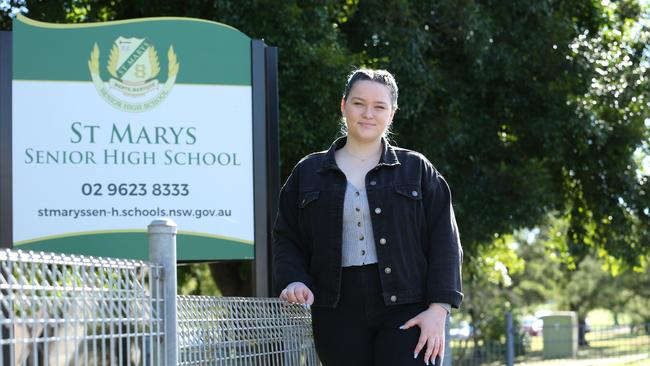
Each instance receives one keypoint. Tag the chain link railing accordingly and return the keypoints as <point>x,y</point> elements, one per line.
<point>243,331</point>
<point>58,309</point>
<point>67,310</point>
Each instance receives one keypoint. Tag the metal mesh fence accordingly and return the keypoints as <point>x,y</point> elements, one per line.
<point>58,309</point>
<point>562,345</point>
<point>244,331</point>
<point>473,353</point>
<point>602,345</point>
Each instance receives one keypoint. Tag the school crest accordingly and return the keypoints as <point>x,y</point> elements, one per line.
<point>133,66</point>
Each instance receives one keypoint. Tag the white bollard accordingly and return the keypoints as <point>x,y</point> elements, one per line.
<point>162,251</point>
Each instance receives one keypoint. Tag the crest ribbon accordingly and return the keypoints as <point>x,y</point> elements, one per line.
<point>133,57</point>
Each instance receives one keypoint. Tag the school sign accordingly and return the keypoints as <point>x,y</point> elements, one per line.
<point>116,124</point>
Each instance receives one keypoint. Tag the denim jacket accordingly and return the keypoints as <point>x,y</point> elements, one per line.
<point>418,248</point>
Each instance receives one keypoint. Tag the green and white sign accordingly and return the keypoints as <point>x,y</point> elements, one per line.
<point>118,123</point>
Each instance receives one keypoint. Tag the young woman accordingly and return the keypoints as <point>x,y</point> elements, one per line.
<point>366,233</point>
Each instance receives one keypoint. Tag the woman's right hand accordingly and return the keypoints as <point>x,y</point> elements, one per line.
<point>297,293</point>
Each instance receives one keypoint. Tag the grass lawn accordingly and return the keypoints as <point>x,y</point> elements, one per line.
<point>634,360</point>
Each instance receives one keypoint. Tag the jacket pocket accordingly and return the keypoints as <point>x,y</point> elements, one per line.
<point>412,192</point>
<point>308,215</point>
<point>408,207</point>
<point>305,198</point>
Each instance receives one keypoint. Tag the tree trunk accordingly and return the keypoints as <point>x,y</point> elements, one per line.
<point>582,333</point>
<point>582,325</point>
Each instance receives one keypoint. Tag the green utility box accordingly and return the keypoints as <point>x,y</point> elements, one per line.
<point>560,334</point>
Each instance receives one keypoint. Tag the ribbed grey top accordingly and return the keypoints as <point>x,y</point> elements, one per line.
<point>358,239</point>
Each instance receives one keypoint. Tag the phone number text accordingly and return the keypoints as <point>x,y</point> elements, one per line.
<point>135,189</point>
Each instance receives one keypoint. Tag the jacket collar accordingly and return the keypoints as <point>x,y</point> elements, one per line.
<point>387,158</point>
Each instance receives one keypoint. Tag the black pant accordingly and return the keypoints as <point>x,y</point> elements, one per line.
<point>362,330</point>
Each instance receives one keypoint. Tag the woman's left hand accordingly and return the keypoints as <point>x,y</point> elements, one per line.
<point>432,332</point>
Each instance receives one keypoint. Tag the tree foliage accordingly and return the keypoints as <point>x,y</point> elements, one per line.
<point>528,107</point>
<point>535,274</point>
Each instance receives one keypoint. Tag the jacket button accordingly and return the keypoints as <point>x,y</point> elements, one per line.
<point>387,270</point>
<point>382,241</point>
<point>414,193</point>
<point>393,298</point>
<point>363,252</point>
<point>378,210</point>
<point>361,237</point>
<point>373,183</point>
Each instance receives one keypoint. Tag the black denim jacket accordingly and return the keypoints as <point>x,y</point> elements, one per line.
<point>418,247</point>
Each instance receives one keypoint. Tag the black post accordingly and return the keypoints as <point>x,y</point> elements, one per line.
<point>6,222</point>
<point>273,147</point>
<point>510,341</point>
<point>260,264</point>
<point>6,232</point>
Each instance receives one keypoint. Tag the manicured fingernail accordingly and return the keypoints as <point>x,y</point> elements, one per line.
<point>307,306</point>
<point>415,355</point>
<point>426,362</point>
<point>402,327</point>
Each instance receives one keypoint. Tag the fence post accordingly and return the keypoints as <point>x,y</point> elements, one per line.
<point>162,251</point>
<point>447,360</point>
<point>510,341</point>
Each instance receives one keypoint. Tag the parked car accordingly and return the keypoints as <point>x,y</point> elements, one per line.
<point>532,325</point>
